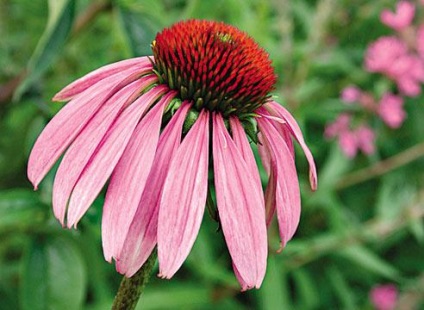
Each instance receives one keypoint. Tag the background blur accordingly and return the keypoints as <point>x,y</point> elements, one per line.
<point>363,228</point>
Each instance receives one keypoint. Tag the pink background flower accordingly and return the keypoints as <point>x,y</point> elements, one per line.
<point>384,297</point>
<point>391,110</point>
<point>350,94</point>
<point>401,18</point>
<point>381,54</point>
<point>365,139</point>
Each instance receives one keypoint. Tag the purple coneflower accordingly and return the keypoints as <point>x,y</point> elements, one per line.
<point>155,127</point>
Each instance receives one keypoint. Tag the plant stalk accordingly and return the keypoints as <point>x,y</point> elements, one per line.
<point>130,290</point>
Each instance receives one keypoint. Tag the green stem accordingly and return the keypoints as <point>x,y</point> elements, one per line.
<point>130,290</point>
<point>405,157</point>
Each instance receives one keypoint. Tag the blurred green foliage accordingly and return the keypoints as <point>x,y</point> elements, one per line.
<point>361,228</point>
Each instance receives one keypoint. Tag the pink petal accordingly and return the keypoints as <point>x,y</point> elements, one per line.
<point>270,197</point>
<point>264,154</point>
<point>297,133</point>
<point>240,140</point>
<point>142,234</point>
<point>84,146</point>
<point>284,180</point>
<point>129,179</point>
<point>101,165</point>
<point>241,207</point>
<point>283,129</point>
<point>244,284</point>
<point>183,198</point>
<point>69,122</point>
<point>141,64</point>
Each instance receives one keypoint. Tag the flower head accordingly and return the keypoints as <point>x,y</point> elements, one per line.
<point>350,94</point>
<point>384,297</point>
<point>391,110</point>
<point>400,19</point>
<point>390,56</point>
<point>348,143</point>
<point>365,137</point>
<point>381,54</point>
<point>351,140</point>
<point>155,127</point>
<point>215,66</point>
<point>339,125</point>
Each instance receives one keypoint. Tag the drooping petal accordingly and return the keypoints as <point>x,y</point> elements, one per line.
<point>270,191</point>
<point>183,198</point>
<point>266,158</point>
<point>244,285</point>
<point>69,122</point>
<point>284,182</point>
<point>297,134</point>
<point>84,146</point>
<point>241,142</point>
<point>129,179</point>
<point>285,132</point>
<point>281,126</point>
<point>264,155</point>
<point>142,234</point>
<point>241,207</point>
<point>100,167</point>
<point>141,64</point>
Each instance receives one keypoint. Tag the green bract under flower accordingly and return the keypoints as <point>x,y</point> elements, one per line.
<point>215,65</point>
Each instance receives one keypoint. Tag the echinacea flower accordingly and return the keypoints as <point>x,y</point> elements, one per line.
<point>156,127</point>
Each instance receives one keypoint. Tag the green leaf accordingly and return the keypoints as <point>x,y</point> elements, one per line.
<point>53,276</point>
<point>17,124</point>
<point>139,31</point>
<point>334,168</point>
<point>370,261</point>
<point>177,297</point>
<point>341,288</point>
<point>202,262</point>
<point>394,194</point>
<point>417,229</point>
<point>275,281</point>
<point>19,207</point>
<point>59,24</point>
<point>307,90</point>
<point>307,289</point>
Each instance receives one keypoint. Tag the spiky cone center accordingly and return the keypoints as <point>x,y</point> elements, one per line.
<point>215,65</point>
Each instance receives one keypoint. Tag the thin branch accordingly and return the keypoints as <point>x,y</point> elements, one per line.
<point>130,290</point>
<point>90,14</point>
<point>371,231</point>
<point>382,167</point>
<point>8,88</point>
